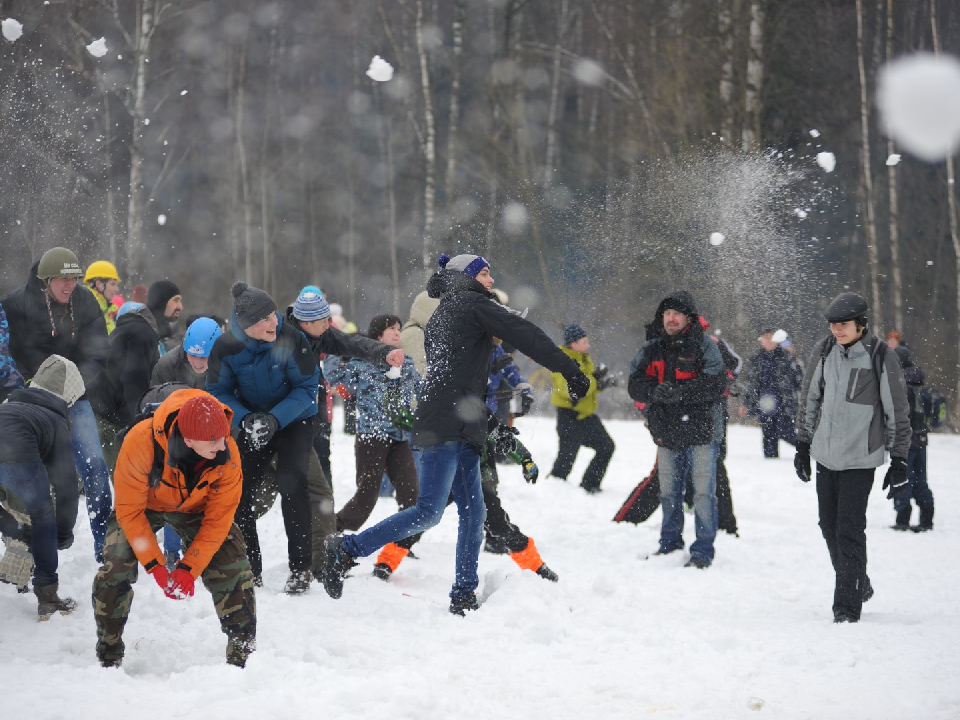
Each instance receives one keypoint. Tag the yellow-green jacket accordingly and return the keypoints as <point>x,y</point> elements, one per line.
<point>561,397</point>
<point>108,309</point>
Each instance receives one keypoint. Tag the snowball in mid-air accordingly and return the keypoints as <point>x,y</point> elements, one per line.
<point>717,238</point>
<point>893,159</point>
<point>779,336</point>
<point>827,160</point>
<point>380,70</point>
<point>98,48</point>
<point>161,219</point>
<point>800,213</point>
<point>919,100</point>
<point>815,133</point>
<point>588,72</point>
<point>767,404</point>
<point>11,29</point>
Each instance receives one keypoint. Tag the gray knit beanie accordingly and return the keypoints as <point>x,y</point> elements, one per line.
<point>250,304</point>
<point>60,376</point>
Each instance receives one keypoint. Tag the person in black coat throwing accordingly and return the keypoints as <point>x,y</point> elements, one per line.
<point>773,381</point>
<point>451,424</point>
<point>36,455</point>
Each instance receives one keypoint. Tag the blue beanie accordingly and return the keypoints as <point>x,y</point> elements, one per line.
<point>467,264</point>
<point>572,333</point>
<point>311,305</point>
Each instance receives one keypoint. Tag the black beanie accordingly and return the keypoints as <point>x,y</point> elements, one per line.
<point>159,295</point>
<point>250,304</point>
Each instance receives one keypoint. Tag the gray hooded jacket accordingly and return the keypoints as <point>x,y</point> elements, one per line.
<point>850,422</point>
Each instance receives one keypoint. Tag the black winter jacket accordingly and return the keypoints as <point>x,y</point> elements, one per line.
<point>776,378</point>
<point>459,346</point>
<point>134,352</point>
<point>33,426</point>
<point>691,362</point>
<point>174,367</point>
<point>79,332</point>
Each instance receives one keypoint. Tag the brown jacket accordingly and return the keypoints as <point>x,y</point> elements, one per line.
<point>215,495</point>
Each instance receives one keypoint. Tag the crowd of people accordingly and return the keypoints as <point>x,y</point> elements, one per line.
<point>192,430</point>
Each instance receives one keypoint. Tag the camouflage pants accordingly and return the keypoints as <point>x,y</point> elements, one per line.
<point>228,578</point>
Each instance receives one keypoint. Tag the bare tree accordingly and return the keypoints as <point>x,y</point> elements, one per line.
<point>429,145</point>
<point>751,125</point>
<point>894,204</point>
<point>866,177</point>
<point>727,35</point>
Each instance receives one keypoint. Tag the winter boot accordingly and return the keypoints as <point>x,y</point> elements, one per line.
<point>697,562</point>
<point>547,574</point>
<point>389,560</point>
<point>238,650</point>
<point>48,602</point>
<point>298,582</point>
<point>867,591</point>
<point>460,605</point>
<point>495,546</point>
<point>336,565</point>
<point>903,520</point>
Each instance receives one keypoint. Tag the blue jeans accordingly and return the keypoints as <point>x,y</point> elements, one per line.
<point>171,543</point>
<point>30,483</point>
<point>450,467</point>
<point>700,462</point>
<point>92,468</point>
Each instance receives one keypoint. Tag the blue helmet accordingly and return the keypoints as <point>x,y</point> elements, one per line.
<point>201,335</point>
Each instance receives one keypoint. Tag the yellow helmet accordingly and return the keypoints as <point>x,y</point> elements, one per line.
<point>101,269</point>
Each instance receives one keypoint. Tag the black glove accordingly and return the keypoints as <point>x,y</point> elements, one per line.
<point>896,477</point>
<point>801,461</point>
<point>64,540</point>
<point>260,428</point>
<point>504,439</point>
<point>666,394</point>
<point>526,402</point>
<point>501,363</point>
<point>578,386</point>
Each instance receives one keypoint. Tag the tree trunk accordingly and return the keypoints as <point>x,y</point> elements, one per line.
<point>459,18</point>
<point>550,156</point>
<point>866,180</point>
<point>894,204</point>
<point>244,188</point>
<point>951,204</point>
<point>725,22</point>
<point>429,146</point>
<point>110,200</point>
<point>135,203</point>
<point>751,124</point>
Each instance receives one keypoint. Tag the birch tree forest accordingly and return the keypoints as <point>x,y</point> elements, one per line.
<point>590,149</point>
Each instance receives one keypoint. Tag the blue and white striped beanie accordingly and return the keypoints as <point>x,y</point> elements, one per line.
<point>311,305</point>
<point>467,264</point>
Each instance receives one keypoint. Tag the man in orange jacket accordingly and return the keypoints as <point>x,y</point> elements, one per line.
<point>179,467</point>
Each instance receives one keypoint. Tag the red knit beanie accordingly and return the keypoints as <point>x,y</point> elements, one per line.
<point>202,418</point>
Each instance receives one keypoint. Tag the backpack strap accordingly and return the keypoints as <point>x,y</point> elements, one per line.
<point>878,353</point>
<point>156,471</point>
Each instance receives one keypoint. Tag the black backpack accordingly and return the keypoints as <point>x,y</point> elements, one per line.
<point>148,405</point>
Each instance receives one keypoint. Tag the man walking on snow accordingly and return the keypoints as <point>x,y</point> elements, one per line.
<point>853,405</point>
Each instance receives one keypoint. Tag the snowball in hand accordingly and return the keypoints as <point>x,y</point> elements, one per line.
<point>827,160</point>
<point>98,48</point>
<point>12,29</point>
<point>919,100</point>
<point>379,70</point>
<point>393,373</point>
<point>717,238</point>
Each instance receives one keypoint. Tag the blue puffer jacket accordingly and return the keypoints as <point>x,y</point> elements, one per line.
<point>378,397</point>
<point>279,377</point>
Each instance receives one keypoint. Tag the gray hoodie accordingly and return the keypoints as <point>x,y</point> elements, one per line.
<point>853,418</point>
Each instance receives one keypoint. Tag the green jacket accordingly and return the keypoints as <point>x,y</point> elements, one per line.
<point>561,396</point>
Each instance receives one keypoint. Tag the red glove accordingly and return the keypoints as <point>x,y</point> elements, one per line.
<point>181,584</point>
<point>162,577</point>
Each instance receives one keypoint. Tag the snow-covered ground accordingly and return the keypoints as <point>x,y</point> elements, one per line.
<point>618,637</point>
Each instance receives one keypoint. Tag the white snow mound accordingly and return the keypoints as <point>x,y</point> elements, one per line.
<point>919,101</point>
<point>380,70</point>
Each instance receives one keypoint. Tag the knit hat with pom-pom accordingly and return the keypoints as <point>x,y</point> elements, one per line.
<point>467,264</point>
<point>250,304</point>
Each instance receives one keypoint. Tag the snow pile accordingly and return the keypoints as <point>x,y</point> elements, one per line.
<point>827,160</point>
<point>98,48</point>
<point>919,100</point>
<point>380,70</point>
<point>12,29</point>
<point>618,637</point>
